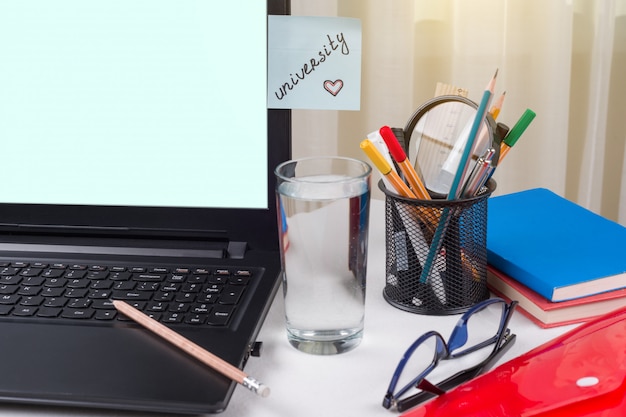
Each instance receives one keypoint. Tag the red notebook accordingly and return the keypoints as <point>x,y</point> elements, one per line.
<point>578,374</point>
<point>546,313</point>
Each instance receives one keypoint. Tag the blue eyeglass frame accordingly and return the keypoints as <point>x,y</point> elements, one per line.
<point>459,336</point>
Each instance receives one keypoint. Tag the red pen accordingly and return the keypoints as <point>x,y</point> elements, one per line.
<point>398,154</point>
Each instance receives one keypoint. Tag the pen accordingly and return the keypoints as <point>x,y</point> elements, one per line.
<point>379,143</point>
<point>476,178</point>
<point>192,349</point>
<point>383,166</point>
<point>515,133</point>
<point>399,156</point>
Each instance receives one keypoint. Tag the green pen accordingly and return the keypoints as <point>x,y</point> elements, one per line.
<point>515,133</point>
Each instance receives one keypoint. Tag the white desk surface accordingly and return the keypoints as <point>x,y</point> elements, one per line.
<point>351,384</point>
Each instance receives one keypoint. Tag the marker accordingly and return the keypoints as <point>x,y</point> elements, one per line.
<point>383,166</point>
<point>399,156</point>
<point>515,133</point>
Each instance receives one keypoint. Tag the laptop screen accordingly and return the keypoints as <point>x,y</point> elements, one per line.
<point>153,103</point>
<point>139,117</point>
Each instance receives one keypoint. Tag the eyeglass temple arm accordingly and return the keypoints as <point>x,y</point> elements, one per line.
<point>456,379</point>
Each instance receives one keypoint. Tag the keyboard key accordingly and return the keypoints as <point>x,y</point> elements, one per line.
<point>76,293</point>
<point>78,283</point>
<point>52,273</point>
<point>196,319</point>
<point>52,292</point>
<point>99,274</point>
<point>29,291</point>
<point>105,315</point>
<point>219,316</point>
<point>24,311</point>
<point>55,282</point>
<point>33,281</point>
<point>80,303</point>
<point>100,295</point>
<point>10,279</point>
<point>31,272</point>
<point>172,318</point>
<point>124,285</point>
<point>9,271</point>
<point>148,277</point>
<point>8,289</point>
<point>9,299</point>
<point>50,312</point>
<point>132,295</point>
<point>31,301</point>
<point>231,294</point>
<point>102,305</point>
<point>158,306</point>
<point>76,274</point>
<point>55,302</point>
<point>75,313</point>
<point>120,276</point>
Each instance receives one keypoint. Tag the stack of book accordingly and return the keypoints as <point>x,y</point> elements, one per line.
<point>562,262</point>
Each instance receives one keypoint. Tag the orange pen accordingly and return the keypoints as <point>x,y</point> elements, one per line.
<point>399,156</point>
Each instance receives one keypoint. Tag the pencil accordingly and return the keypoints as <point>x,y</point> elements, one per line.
<point>383,166</point>
<point>398,154</point>
<point>193,349</point>
<point>467,150</point>
<point>495,109</point>
<point>444,219</point>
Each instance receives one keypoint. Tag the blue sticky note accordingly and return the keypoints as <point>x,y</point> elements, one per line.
<point>314,63</point>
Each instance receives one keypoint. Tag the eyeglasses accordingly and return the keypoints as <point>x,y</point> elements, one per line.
<point>484,324</point>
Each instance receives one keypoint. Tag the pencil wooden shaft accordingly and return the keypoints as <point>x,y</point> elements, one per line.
<point>504,149</point>
<point>181,342</point>
<point>416,184</point>
<point>399,185</point>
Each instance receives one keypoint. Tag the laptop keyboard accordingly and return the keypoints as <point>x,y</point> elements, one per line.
<point>172,295</point>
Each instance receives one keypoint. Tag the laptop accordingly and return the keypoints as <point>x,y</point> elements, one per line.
<point>138,165</point>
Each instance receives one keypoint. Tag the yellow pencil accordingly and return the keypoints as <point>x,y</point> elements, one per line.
<point>495,109</point>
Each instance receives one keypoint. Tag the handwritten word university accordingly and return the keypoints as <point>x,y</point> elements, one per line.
<point>338,43</point>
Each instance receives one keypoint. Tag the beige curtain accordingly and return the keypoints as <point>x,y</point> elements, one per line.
<point>564,59</point>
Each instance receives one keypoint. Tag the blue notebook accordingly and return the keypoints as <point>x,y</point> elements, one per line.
<point>554,246</point>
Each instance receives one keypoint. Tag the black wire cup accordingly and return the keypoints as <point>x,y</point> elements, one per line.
<point>457,277</point>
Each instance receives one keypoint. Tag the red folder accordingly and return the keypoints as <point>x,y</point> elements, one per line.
<point>580,373</point>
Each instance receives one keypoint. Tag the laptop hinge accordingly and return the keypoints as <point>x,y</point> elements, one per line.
<point>237,250</point>
<point>36,238</point>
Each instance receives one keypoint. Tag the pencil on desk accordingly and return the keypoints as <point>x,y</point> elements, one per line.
<point>192,349</point>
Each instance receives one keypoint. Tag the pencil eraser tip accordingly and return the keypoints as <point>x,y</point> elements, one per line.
<point>263,391</point>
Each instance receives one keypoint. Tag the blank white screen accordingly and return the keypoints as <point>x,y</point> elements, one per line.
<point>133,102</point>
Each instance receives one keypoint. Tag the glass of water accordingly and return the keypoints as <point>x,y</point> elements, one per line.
<point>323,221</point>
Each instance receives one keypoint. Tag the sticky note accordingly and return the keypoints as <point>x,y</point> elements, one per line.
<point>314,63</point>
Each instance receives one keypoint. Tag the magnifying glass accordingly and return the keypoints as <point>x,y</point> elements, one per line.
<point>436,136</point>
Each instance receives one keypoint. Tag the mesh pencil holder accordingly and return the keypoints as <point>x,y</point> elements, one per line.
<point>436,253</point>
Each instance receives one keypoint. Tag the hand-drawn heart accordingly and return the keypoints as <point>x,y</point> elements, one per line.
<point>333,87</point>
